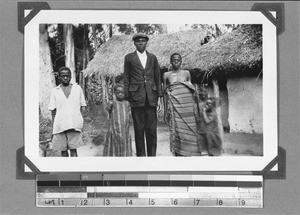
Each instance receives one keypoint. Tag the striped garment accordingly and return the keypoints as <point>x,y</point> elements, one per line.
<point>182,107</point>
<point>118,139</point>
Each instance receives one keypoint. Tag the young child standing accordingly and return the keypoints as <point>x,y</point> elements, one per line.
<point>66,103</point>
<point>211,131</point>
<point>118,139</point>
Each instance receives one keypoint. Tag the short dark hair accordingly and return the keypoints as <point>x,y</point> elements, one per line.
<point>63,68</point>
<point>174,55</point>
<point>118,85</point>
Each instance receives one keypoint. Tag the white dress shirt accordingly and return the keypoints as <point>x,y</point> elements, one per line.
<point>143,58</point>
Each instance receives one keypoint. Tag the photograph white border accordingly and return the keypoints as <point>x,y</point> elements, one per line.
<point>149,164</point>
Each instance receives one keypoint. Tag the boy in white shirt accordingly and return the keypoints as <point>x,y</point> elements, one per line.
<point>66,103</point>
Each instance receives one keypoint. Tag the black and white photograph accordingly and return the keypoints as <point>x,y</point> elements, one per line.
<point>134,91</point>
<point>150,107</point>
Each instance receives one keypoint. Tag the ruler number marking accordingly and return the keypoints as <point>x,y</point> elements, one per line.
<point>242,202</point>
<point>84,202</point>
<point>152,201</point>
<point>197,201</point>
<point>107,202</point>
<point>175,201</point>
<point>130,202</point>
<point>219,202</point>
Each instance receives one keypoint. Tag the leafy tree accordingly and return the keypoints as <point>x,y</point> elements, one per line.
<point>215,30</point>
<point>125,28</point>
<point>150,28</point>
<point>57,47</point>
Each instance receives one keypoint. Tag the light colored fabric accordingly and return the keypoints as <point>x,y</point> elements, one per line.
<point>66,140</point>
<point>185,139</point>
<point>118,139</point>
<point>143,58</point>
<point>68,115</point>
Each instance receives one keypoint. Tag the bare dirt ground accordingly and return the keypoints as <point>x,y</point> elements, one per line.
<point>235,144</point>
<point>96,125</point>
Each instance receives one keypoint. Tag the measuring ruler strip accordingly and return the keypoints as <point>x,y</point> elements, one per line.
<point>149,202</point>
<point>116,190</point>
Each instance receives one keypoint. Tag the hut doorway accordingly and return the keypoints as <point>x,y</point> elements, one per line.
<point>221,82</point>
<point>224,103</point>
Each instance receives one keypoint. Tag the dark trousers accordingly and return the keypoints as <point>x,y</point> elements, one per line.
<point>145,122</point>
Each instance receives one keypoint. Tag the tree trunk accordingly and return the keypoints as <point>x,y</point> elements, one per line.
<point>110,30</point>
<point>218,108</point>
<point>86,57</point>
<point>70,50</point>
<point>46,76</point>
<point>86,79</point>
<point>103,82</point>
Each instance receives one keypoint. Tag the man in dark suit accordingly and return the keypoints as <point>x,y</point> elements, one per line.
<point>143,89</point>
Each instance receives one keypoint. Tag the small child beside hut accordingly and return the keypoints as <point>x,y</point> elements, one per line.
<point>118,139</point>
<point>210,118</point>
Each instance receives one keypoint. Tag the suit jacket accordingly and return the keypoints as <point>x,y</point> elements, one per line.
<point>139,81</point>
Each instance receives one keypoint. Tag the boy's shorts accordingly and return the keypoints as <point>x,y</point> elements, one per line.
<point>69,139</point>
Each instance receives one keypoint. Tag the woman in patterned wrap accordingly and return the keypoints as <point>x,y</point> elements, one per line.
<point>182,111</point>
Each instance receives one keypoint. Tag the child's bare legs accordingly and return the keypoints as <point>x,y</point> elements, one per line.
<point>64,153</point>
<point>73,152</point>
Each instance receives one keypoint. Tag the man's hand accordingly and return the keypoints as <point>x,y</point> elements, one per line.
<point>160,105</point>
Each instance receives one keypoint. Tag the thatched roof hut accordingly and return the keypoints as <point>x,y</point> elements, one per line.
<point>237,53</point>
<point>109,58</point>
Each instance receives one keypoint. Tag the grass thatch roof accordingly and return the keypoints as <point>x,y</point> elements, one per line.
<point>109,58</point>
<point>236,53</point>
